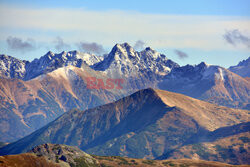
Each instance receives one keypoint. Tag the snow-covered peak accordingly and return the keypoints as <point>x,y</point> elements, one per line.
<point>51,61</point>
<point>123,60</point>
<point>122,51</point>
<point>149,52</point>
<point>11,67</point>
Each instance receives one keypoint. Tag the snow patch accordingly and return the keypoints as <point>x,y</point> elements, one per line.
<point>220,74</point>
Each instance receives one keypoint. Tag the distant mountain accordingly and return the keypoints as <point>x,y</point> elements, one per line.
<point>122,61</point>
<point>63,155</point>
<point>28,105</point>
<point>242,69</point>
<point>211,83</point>
<point>148,68</point>
<point>25,70</point>
<point>146,124</point>
<point>51,62</point>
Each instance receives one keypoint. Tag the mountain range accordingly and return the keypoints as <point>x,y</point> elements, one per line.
<point>147,124</point>
<point>185,113</point>
<point>25,70</point>
<point>35,93</point>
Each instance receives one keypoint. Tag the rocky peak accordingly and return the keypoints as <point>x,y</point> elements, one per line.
<point>122,51</point>
<point>74,52</point>
<point>148,49</point>
<point>202,65</point>
<point>123,60</point>
<point>63,153</point>
<point>151,54</point>
<point>50,53</point>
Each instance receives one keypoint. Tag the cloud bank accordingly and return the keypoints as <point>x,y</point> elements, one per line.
<point>91,47</point>
<point>60,44</point>
<point>109,27</point>
<point>18,44</point>
<point>235,37</point>
<point>139,45</point>
<point>181,54</point>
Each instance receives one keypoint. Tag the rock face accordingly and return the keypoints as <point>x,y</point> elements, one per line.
<point>64,155</point>
<point>213,84</point>
<point>242,68</point>
<point>146,124</point>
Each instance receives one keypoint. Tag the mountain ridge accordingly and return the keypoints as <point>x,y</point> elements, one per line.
<point>32,104</point>
<point>145,124</point>
<point>242,68</point>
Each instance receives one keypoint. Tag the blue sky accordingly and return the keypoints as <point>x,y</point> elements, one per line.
<point>215,31</point>
<point>198,7</point>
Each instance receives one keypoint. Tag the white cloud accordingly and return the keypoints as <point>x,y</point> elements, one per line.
<point>109,27</point>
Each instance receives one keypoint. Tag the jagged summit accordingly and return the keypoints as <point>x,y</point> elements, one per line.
<point>14,68</point>
<point>203,65</point>
<point>49,53</point>
<point>123,60</point>
<point>122,51</point>
<point>244,62</point>
<point>122,47</point>
<point>148,48</point>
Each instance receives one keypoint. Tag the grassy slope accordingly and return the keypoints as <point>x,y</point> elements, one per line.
<point>30,160</point>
